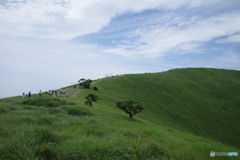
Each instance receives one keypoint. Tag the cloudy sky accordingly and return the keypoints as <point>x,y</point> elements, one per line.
<point>48,44</point>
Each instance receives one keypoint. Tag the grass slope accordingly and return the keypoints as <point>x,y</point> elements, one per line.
<point>201,101</point>
<point>43,128</point>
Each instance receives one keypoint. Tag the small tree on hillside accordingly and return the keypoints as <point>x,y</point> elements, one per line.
<point>130,107</point>
<point>85,82</point>
<point>91,98</point>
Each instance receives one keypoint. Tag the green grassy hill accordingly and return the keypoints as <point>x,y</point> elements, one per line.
<point>188,113</point>
<point>202,101</point>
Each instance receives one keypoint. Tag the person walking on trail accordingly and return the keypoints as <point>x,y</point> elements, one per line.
<point>54,93</point>
<point>29,94</point>
<point>23,95</point>
<point>49,92</point>
<point>61,91</point>
<point>26,95</point>
<point>40,93</point>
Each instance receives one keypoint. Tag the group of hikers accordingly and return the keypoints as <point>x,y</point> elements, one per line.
<point>51,93</point>
<point>26,95</point>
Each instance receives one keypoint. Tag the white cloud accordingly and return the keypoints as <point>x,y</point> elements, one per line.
<point>65,19</point>
<point>59,59</point>
<point>180,35</point>
<point>234,38</point>
<point>229,58</point>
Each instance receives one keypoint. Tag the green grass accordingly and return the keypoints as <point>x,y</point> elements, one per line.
<point>46,101</point>
<point>186,116</point>
<point>76,110</point>
<point>201,101</point>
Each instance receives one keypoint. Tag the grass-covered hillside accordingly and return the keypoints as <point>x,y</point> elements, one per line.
<point>188,113</point>
<point>202,101</point>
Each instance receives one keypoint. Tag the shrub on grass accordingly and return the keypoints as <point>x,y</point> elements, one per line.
<point>46,101</point>
<point>76,110</point>
<point>85,83</point>
<point>89,102</point>
<point>91,98</point>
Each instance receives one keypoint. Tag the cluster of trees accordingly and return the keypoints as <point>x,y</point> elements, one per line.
<point>130,107</point>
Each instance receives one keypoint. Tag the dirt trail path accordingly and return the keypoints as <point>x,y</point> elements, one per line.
<point>72,90</point>
<point>68,92</point>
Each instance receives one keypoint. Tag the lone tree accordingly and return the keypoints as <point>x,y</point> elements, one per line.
<point>129,107</point>
<point>85,82</point>
<point>91,98</point>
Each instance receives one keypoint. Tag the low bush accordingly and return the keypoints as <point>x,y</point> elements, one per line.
<point>76,110</point>
<point>46,101</point>
<point>91,98</point>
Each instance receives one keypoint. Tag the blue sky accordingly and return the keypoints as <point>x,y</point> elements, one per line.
<point>49,44</point>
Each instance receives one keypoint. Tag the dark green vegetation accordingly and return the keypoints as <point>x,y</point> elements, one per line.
<point>91,98</point>
<point>188,113</point>
<point>85,83</point>
<point>46,101</point>
<point>130,107</point>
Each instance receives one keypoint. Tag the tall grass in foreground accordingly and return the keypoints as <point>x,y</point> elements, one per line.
<point>100,140</point>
